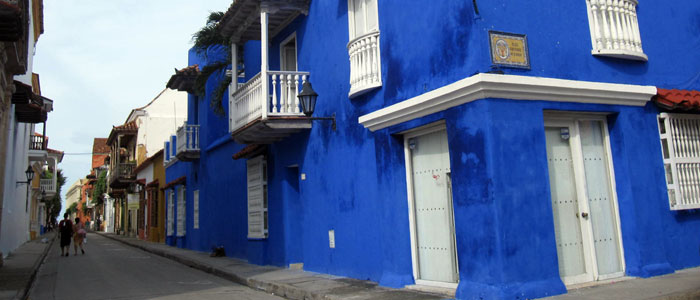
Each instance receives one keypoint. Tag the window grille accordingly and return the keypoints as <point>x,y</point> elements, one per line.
<point>680,148</point>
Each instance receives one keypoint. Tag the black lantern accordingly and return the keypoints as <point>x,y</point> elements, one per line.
<point>307,97</point>
<point>30,174</point>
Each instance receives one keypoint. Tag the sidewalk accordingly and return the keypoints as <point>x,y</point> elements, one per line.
<point>297,284</point>
<point>292,284</point>
<point>20,267</point>
<point>681,285</point>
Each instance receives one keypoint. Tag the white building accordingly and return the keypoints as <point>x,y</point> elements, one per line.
<point>73,195</point>
<point>20,127</point>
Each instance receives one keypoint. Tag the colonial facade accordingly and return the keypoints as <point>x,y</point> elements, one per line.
<point>458,144</point>
<point>24,153</point>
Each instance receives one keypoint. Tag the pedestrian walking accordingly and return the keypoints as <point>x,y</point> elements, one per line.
<point>65,231</point>
<point>79,234</point>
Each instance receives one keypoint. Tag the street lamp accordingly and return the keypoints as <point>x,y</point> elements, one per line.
<point>30,175</point>
<point>307,97</point>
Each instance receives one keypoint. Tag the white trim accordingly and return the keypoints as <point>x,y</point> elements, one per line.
<point>409,134</point>
<point>483,85</point>
<point>296,52</point>
<point>571,119</point>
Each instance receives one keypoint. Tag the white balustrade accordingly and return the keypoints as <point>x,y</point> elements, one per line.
<point>614,29</point>
<point>188,138</point>
<point>249,101</point>
<point>47,185</point>
<point>365,65</point>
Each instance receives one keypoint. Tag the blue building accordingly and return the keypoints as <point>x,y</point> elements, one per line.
<point>503,149</point>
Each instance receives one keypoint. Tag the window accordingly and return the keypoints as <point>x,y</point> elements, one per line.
<point>680,149</point>
<point>154,207</point>
<point>614,29</point>
<point>169,200</point>
<point>195,211</point>
<point>257,197</point>
<point>181,213</point>
<point>363,48</point>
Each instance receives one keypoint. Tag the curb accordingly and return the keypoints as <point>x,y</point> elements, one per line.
<point>278,289</point>
<point>24,294</point>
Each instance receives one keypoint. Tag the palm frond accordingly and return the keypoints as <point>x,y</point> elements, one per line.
<point>201,81</point>
<point>217,96</point>
<point>208,36</point>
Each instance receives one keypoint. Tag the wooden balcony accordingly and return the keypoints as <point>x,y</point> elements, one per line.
<point>123,175</point>
<point>266,108</point>
<point>187,142</point>
<point>37,148</point>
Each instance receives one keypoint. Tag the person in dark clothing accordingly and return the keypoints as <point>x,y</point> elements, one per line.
<point>65,230</point>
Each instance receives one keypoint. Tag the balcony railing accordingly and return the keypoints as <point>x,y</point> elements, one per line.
<point>250,103</point>
<point>47,185</point>
<point>365,66</point>
<point>614,29</point>
<point>37,142</point>
<point>188,142</point>
<point>126,169</point>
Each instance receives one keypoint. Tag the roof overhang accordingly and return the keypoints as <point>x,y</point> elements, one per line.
<point>516,87</point>
<point>183,79</point>
<point>241,22</point>
<point>678,100</point>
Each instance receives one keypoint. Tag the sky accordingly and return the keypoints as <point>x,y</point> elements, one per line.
<point>98,60</point>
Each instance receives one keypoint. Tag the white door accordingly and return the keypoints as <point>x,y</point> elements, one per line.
<point>433,236</point>
<point>583,203</point>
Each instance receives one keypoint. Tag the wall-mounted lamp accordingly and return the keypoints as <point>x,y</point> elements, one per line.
<point>307,97</point>
<point>30,175</point>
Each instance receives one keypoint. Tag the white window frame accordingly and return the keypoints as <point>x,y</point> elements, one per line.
<point>614,29</point>
<point>181,211</point>
<point>195,210</point>
<point>351,18</point>
<point>680,147</point>
<point>364,52</point>
<point>256,177</point>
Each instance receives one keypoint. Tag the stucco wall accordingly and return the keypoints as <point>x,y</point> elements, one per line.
<point>355,179</point>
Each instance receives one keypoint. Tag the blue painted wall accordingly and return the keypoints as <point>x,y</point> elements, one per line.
<point>355,179</point>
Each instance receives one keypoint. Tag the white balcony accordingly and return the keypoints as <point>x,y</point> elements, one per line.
<point>266,108</point>
<point>188,142</point>
<point>37,148</point>
<point>614,29</point>
<point>365,66</point>
<point>48,185</point>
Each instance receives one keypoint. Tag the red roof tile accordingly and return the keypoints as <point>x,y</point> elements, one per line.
<point>681,100</point>
<point>183,79</point>
<point>129,127</point>
<point>99,146</point>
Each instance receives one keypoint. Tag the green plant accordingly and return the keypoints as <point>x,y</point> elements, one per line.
<point>203,39</point>
<point>99,188</point>
<point>53,204</point>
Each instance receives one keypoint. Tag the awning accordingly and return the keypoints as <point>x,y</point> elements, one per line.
<point>678,100</point>
<point>183,80</point>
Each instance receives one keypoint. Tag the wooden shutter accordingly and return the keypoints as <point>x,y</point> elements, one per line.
<point>181,213</point>
<point>257,198</point>
<point>680,147</point>
<point>169,200</point>
<point>195,210</point>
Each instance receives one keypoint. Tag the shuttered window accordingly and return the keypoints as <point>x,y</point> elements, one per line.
<point>680,147</point>
<point>171,207</point>
<point>195,210</point>
<point>257,197</point>
<point>181,201</point>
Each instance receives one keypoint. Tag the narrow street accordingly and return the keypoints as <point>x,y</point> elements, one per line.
<point>111,270</point>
